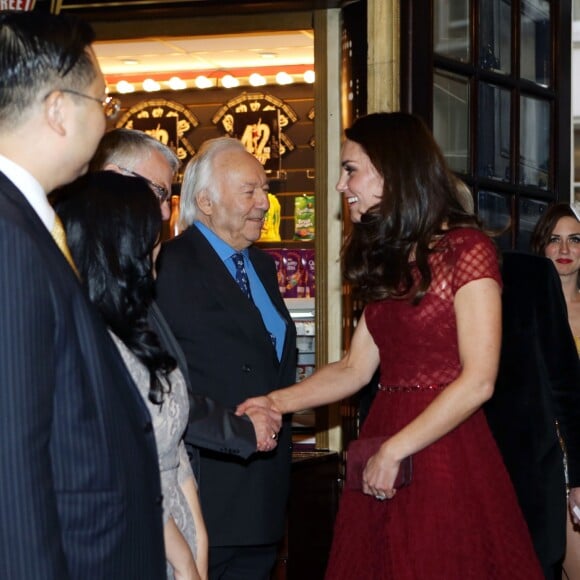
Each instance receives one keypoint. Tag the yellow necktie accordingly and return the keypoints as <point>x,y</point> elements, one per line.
<point>59,236</point>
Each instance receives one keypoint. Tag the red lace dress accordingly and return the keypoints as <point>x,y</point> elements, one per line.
<point>459,519</point>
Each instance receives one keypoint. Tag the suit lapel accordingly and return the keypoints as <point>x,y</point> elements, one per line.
<point>21,211</point>
<point>24,212</point>
<point>270,284</point>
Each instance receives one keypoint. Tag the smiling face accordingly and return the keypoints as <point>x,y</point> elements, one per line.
<point>563,247</point>
<point>237,216</point>
<point>360,182</point>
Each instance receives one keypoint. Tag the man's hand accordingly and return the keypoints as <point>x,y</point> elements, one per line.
<point>267,423</point>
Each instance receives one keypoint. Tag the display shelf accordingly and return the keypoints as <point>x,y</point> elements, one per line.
<point>287,243</point>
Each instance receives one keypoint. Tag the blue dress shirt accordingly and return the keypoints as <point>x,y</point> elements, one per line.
<point>273,321</point>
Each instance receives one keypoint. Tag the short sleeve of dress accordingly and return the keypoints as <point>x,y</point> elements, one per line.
<point>476,257</point>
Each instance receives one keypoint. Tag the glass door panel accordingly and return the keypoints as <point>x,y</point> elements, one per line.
<point>534,142</point>
<point>535,42</point>
<point>451,119</point>
<point>451,26</point>
<point>494,210</point>
<point>495,34</point>
<point>493,136</point>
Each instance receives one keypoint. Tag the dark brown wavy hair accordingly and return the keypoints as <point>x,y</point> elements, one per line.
<point>419,201</point>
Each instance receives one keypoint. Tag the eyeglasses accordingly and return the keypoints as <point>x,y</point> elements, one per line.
<point>111,105</point>
<point>160,191</point>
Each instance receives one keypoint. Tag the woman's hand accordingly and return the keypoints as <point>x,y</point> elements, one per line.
<point>574,502</point>
<point>380,474</point>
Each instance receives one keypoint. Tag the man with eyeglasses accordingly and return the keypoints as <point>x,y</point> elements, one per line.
<point>136,153</point>
<point>211,426</point>
<point>80,492</point>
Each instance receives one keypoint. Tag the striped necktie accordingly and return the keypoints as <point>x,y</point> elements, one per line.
<point>59,236</point>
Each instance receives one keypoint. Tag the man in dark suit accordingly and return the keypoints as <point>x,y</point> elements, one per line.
<point>538,383</point>
<point>211,425</point>
<point>79,483</point>
<point>220,297</point>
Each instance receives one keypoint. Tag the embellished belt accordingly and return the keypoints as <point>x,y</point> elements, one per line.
<point>409,388</point>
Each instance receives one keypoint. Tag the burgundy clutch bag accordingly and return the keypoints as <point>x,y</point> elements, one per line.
<point>357,455</point>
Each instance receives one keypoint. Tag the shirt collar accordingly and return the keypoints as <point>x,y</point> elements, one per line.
<point>222,249</point>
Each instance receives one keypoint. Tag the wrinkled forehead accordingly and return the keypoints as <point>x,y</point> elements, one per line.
<point>241,168</point>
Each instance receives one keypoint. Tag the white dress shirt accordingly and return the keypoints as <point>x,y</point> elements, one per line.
<point>30,188</point>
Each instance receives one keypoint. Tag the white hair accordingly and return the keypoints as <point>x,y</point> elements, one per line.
<point>199,177</point>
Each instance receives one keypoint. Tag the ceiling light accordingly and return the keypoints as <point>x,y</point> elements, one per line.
<point>309,77</point>
<point>229,82</point>
<point>202,82</point>
<point>257,80</point>
<point>124,87</point>
<point>283,78</point>
<point>130,61</point>
<point>176,84</point>
<point>268,54</point>
<point>151,86</point>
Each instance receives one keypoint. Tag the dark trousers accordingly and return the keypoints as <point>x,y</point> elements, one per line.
<point>242,562</point>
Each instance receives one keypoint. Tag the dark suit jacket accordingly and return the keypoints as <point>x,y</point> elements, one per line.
<point>211,425</point>
<point>79,479</point>
<point>538,382</point>
<point>230,357</point>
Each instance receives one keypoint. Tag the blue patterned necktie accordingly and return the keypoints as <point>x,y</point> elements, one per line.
<point>244,283</point>
<point>242,275</point>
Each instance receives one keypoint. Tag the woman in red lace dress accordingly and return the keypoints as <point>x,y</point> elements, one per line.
<point>431,283</point>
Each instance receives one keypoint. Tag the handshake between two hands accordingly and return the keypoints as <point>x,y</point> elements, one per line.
<point>265,418</point>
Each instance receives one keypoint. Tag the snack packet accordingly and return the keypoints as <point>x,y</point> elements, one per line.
<point>293,273</point>
<point>304,217</point>
<point>271,228</point>
<point>280,260</point>
<point>308,273</point>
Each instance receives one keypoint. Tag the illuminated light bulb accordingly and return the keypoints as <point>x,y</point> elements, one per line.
<point>124,87</point>
<point>176,84</point>
<point>202,82</point>
<point>283,78</point>
<point>229,82</point>
<point>309,77</point>
<point>150,85</point>
<point>257,80</point>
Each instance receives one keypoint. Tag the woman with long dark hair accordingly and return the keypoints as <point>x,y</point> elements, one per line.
<point>430,280</point>
<point>557,237</point>
<point>113,224</point>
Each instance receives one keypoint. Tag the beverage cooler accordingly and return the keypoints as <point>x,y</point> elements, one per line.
<point>304,422</point>
<point>296,280</point>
